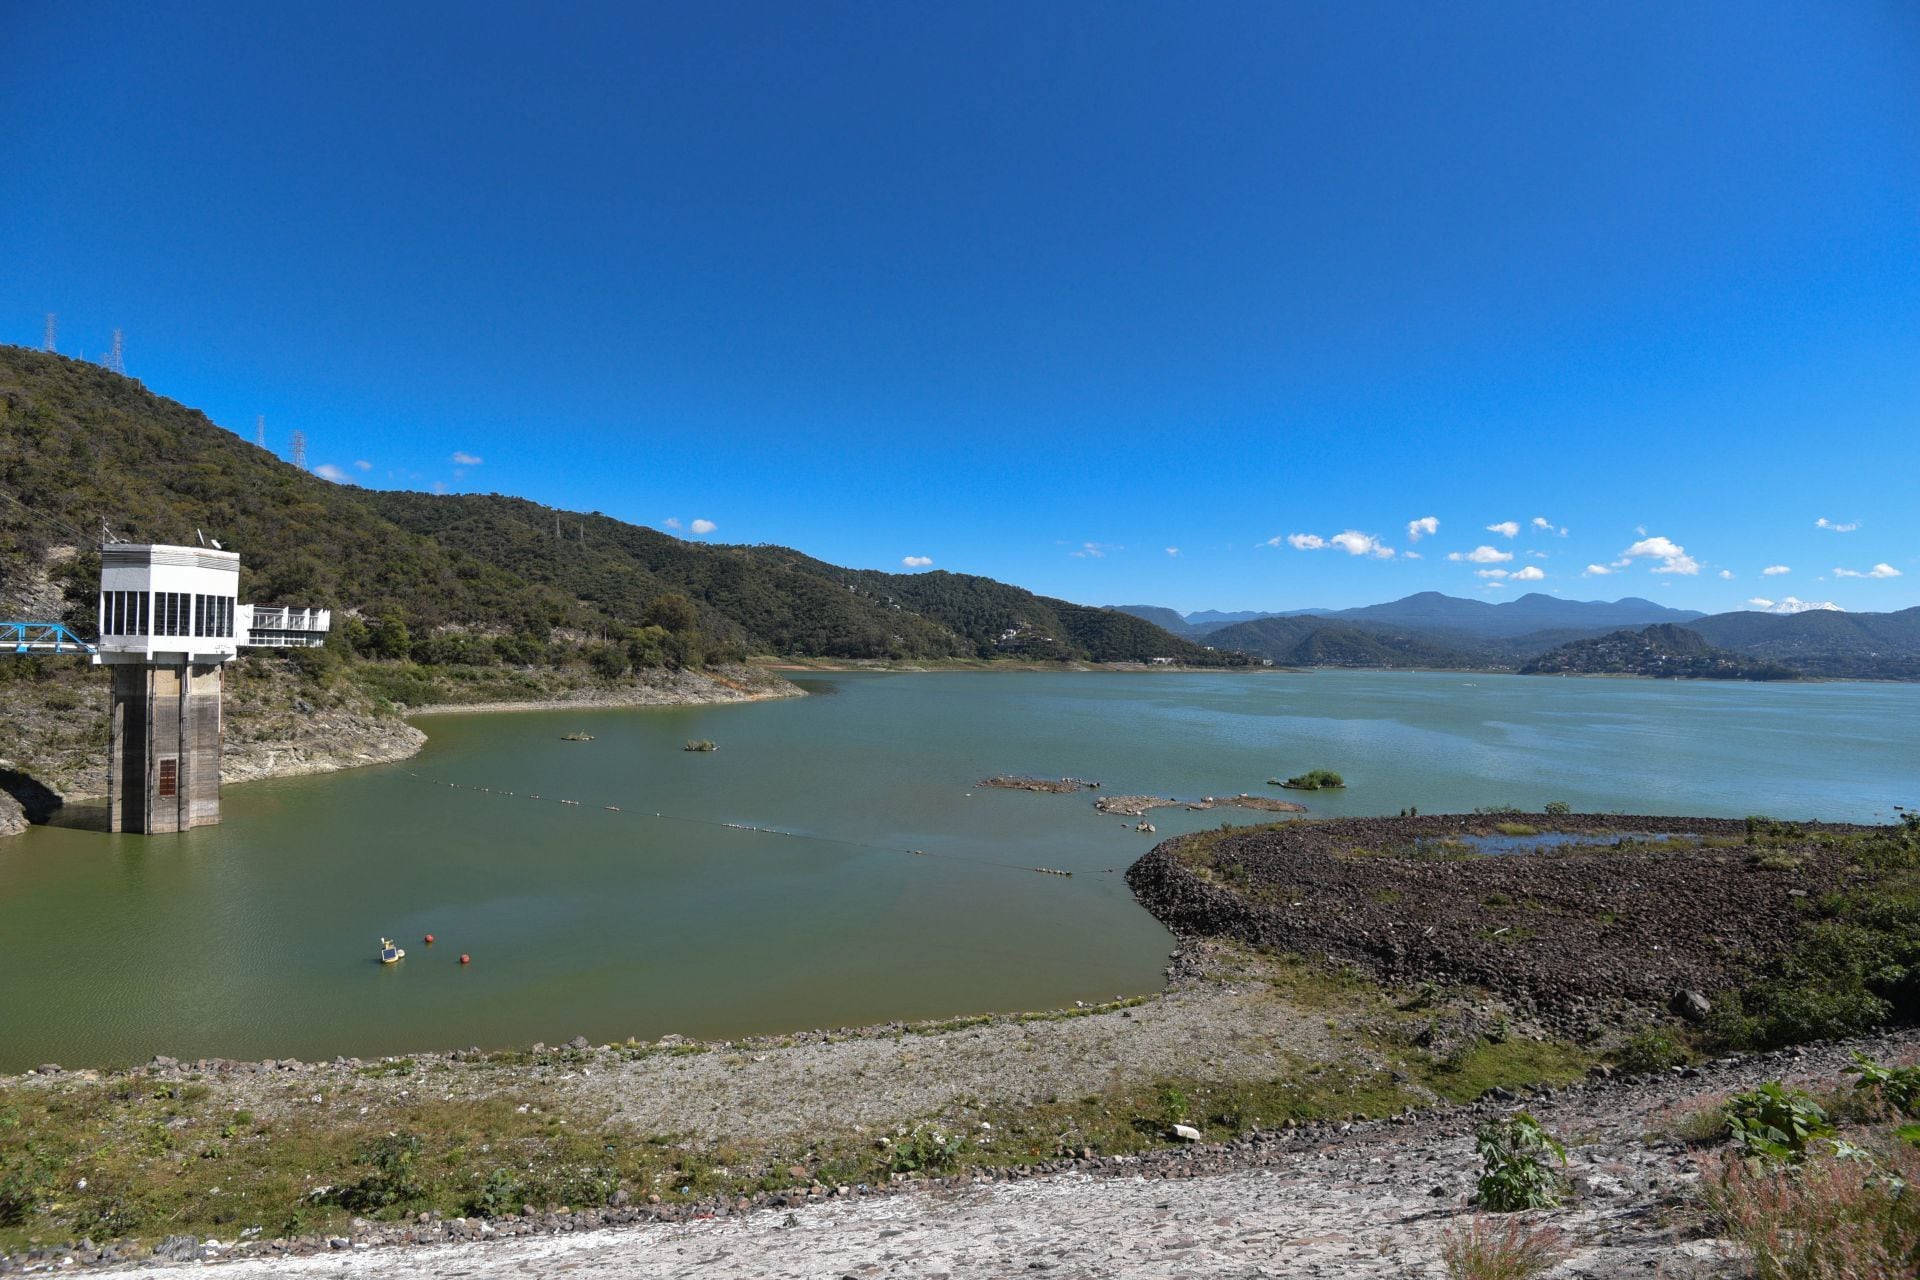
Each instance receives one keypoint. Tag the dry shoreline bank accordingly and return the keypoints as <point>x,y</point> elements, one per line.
<point>277,730</point>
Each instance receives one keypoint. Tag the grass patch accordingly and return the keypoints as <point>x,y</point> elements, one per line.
<point>1464,1076</point>
<point>1515,829</point>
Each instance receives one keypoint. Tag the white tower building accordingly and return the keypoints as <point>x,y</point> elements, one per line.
<point>168,623</point>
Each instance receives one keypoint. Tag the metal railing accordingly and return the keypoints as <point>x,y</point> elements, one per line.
<point>40,638</point>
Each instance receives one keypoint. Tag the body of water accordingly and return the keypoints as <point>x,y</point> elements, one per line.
<point>894,887</point>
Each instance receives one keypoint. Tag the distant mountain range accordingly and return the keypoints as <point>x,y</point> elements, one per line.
<point>1432,630</point>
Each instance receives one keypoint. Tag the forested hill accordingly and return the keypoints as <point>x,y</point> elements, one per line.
<point>465,578</point>
<point>1663,651</point>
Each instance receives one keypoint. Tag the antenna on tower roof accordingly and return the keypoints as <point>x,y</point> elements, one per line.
<point>53,325</point>
<point>117,358</point>
<point>300,450</point>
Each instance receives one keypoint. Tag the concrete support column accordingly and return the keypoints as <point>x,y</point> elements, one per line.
<point>166,738</point>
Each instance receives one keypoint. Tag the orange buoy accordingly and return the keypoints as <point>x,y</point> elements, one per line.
<point>464,957</point>
<point>429,939</point>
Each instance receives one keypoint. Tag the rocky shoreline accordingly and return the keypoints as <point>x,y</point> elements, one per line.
<point>1583,939</point>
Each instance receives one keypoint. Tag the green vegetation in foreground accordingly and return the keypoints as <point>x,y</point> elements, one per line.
<point>1855,964</point>
<point>173,1157</point>
<point>1312,780</point>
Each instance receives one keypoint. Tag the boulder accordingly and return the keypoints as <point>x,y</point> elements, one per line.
<point>1690,1005</point>
<point>13,818</point>
<point>1186,1133</point>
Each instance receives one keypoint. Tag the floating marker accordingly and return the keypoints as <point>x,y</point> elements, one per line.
<point>429,939</point>
<point>465,958</point>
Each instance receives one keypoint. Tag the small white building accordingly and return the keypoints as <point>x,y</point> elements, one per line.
<point>161,604</point>
<point>284,627</point>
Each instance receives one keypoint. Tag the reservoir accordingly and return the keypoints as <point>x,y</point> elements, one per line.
<point>865,877</point>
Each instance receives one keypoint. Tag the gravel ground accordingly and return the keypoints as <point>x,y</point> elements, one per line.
<point>1357,1200</point>
<point>825,1082</point>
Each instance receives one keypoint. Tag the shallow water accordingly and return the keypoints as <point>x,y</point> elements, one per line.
<point>256,938</point>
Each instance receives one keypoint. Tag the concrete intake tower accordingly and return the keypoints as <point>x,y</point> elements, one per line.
<point>169,624</point>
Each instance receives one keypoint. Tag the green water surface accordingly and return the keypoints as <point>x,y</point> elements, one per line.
<point>256,938</point>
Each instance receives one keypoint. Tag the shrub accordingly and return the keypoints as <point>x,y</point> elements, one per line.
<point>497,1197</point>
<point>1516,1152</point>
<point>1557,808</point>
<point>700,744</point>
<point>393,1179</point>
<point>1774,1123</point>
<point>926,1149</point>
<point>1900,1086</point>
<point>1649,1051</point>
<point>1506,1250</point>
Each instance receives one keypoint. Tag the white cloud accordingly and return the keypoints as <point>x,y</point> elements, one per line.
<point>1492,586</point>
<point>703,526</point>
<point>461,458</point>
<point>671,522</point>
<point>1760,602</point>
<point>1774,571</point>
<point>1413,555</point>
<point>1881,570</point>
<point>1545,525</point>
<point>1824,523</point>
<point>1491,573</point>
<point>1506,528</point>
<point>1418,529</point>
<point>1482,555</point>
<point>1094,550</point>
<point>1355,543</point>
<point>1173,551</point>
<point>916,562</point>
<point>1537,555</point>
<point>1301,541</point>
<point>1532,573</point>
<point>1672,556</point>
<point>363,464</point>
<point>327,471</point>
<point>1726,575</point>
<point>1596,571</point>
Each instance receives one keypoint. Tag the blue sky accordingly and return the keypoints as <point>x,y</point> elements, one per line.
<point>1108,300</point>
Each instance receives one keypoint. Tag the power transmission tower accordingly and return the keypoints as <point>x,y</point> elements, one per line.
<point>300,450</point>
<point>52,326</point>
<point>260,429</point>
<point>117,358</point>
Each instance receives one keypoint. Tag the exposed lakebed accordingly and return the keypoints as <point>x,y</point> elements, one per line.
<point>780,888</point>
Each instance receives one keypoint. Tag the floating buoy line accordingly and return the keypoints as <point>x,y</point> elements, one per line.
<point>747,826</point>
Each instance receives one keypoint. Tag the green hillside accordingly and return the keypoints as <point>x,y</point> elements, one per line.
<point>1663,651</point>
<point>1308,641</point>
<point>468,579</point>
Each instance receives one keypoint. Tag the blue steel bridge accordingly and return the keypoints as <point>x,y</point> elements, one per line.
<point>40,638</point>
